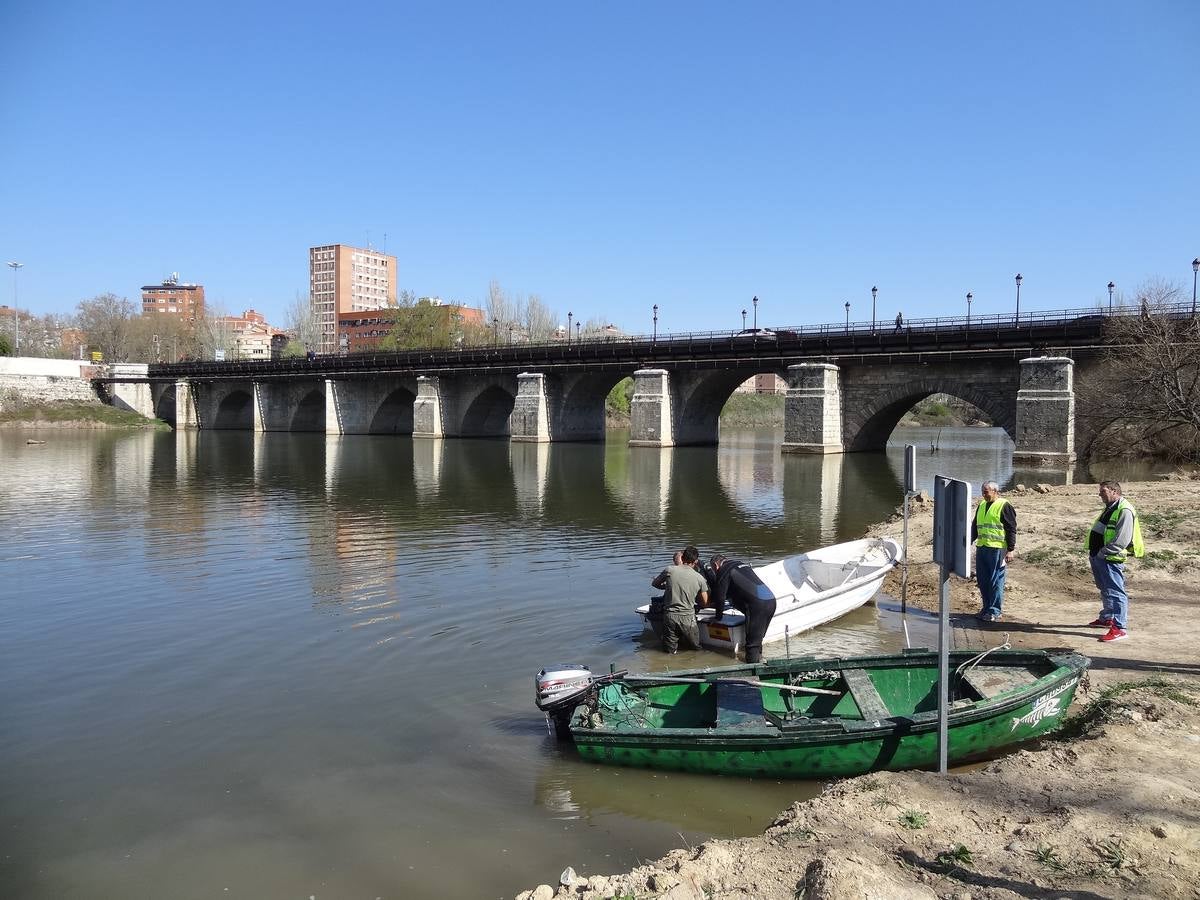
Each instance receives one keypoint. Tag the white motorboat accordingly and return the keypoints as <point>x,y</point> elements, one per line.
<point>810,589</point>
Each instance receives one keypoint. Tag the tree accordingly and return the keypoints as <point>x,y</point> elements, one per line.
<point>1145,394</point>
<point>301,322</point>
<point>106,320</point>
<point>5,345</point>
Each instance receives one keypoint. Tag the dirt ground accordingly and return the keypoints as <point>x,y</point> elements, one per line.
<point>1110,807</point>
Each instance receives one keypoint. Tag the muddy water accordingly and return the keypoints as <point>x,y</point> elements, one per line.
<point>291,665</point>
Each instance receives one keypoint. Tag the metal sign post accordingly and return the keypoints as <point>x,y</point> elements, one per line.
<point>910,488</point>
<point>951,551</point>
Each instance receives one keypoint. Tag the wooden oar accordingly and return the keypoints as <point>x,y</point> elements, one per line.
<point>668,679</point>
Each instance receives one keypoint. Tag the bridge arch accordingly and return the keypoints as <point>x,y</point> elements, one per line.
<point>394,414</point>
<point>486,414</point>
<point>236,410</point>
<point>310,412</point>
<point>869,422</point>
<point>164,404</point>
<point>700,397</point>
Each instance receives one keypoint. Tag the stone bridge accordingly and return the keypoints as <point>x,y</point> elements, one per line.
<point>841,405</point>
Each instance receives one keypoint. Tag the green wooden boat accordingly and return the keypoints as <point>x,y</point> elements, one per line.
<point>809,717</point>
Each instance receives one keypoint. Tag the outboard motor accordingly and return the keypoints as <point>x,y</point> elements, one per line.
<point>558,691</point>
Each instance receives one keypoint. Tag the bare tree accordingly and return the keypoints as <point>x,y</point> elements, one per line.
<point>540,319</point>
<point>1145,395</point>
<point>106,320</point>
<point>301,322</point>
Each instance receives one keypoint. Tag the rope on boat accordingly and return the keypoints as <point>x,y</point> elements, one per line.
<point>978,658</point>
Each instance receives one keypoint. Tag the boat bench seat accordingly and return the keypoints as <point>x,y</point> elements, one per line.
<point>990,681</point>
<point>865,695</point>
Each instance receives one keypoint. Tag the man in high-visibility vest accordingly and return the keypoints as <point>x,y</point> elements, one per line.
<point>995,534</point>
<point>1114,535</point>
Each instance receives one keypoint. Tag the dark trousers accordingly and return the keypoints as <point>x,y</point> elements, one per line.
<point>758,618</point>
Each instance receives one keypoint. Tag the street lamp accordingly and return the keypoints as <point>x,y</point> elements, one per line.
<point>578,326</point>
<point>17,316</point>
<point>970,297</point>
<point>568,328</point>
<point>430,334</point>
<point>654,338</point>
<point>495,325</point>
<point>1110,290</point>
<point>754,303</point>
<point>1195,269</point>
<point>743,320</point>
<point>510,331</point>
<point>847,315</point>
<point>874,294</point>
<point>1019,280</point>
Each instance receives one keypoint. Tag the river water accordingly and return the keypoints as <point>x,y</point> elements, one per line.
<point>283,665</point>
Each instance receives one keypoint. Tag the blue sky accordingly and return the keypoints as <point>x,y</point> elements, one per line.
<point>606,156</point>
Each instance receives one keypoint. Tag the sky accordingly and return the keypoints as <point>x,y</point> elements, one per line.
<point>605,157</point>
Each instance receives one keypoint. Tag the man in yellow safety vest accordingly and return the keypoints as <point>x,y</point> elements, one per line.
<point>1114,536</point>
<point>995,534</point>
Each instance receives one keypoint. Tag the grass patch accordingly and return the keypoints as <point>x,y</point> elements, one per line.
<point>957,857</point>
<point>1101,709</point>
<point>753,410</point>
<point>1048,857</point>
<point>1162,523</point>
<point>1159,559</point>
<point>913,819</point>
<point>80,412</point>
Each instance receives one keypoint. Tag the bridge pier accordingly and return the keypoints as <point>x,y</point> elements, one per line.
<point>135,396</point>
<point>427,408</point>
<point>812,417</point>
<point>1046,412</point>
<point>650,420</point>
<point>185,406</point>
<point>530,419</point>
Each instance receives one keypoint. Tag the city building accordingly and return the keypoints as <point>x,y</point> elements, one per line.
<point>174,298</point>
<point>344,279</point>
<point>248,336</point>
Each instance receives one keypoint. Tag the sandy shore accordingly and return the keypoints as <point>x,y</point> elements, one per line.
<point>1110,808</point>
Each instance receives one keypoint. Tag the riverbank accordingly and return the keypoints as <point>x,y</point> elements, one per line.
<point>74,414</point>
<point>1105,809</point>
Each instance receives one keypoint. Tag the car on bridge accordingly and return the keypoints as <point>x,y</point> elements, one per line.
<point>753,334</point>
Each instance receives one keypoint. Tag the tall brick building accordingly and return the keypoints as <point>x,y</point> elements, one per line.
<point>344,279</point>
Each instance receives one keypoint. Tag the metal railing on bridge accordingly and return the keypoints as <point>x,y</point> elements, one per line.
<point>1035,328</point>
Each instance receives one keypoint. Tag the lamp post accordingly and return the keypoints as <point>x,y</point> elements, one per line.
<point>510,331</point>
<point>578,326</point>
<point>654,336</point>
<point>495,336</point>
<point>847,315</point>
<point>874,294</point>
<point>1019,280</point>
<point>568,327</point>
<point>17,316</point>
<point>743,320</point>
<point>1195,269</point>
<point>430,334</point>
<point>970,297</point>
<point>1110,290</point>
<point>754,303</point>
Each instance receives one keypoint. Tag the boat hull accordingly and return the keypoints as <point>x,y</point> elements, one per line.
<point>835,746</point>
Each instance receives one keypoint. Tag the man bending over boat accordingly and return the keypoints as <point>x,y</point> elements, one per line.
<point>686,589</point>
<point>739,586</point>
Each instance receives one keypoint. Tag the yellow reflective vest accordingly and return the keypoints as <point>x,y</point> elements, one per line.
<point>1137,546</point>
<point>989,530</point>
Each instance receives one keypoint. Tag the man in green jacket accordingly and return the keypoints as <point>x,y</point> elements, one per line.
<point>686,590</point>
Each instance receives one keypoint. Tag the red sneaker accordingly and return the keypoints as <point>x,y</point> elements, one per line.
<point>1100,623</point>
<point>1114,634</point>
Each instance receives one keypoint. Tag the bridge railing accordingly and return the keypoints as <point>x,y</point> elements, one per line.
<point>790,338</point>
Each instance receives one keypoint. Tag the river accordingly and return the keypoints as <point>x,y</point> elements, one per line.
<point>283,665</point>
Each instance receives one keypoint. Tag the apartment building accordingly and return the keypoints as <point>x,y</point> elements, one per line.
<point>173,298</point>
<point>344,279</point>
